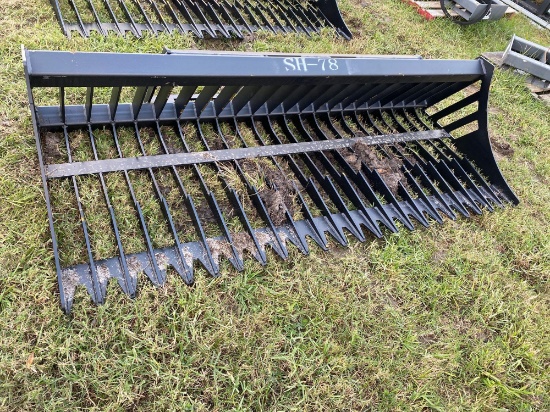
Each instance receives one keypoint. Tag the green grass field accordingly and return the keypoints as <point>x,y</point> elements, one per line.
<point>454,317</point>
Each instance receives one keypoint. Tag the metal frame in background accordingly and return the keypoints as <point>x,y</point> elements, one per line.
<point>529,57</point>
<point>541,9</point>
<point>363,144</point>
<point>466,12</point>
<point>542,20</point>
<point>203,18</point>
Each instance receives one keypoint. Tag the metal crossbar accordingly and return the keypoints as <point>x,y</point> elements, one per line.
<point>203,18</point>
<point>169,160</point>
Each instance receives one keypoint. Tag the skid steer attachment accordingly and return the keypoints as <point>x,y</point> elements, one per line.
<point>168,160</point>
<point>465,12</point>
<point>204,18</point>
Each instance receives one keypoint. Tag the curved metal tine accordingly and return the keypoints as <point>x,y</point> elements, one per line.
<point>298,13</point>
<point>320,238</point>
<point>97,291</point>
<point>399,127</point>
<point>430,206</point>
<point>238,14</point>
<point>311,188</point>
<point>433,165</point>
<point>466,165</point>
<point>210,265</point>
<point>112,14</point>
<point>360,181</point>
<point>260,251</point>
<point>262,16</point>
<point>83,31</point>
<point>401,148</point>
<point>401,213</point>
<point>444,168</point>
<point>342,122</point>
<point>157,277</point>
<point>314,15</point>
<point>284,13</point>
<point>250,13</point>
<point>447,189</point>
<point>456,184</point>
<point>443,204</point>
<point>280,246</point>
<point>304,247</point>
<point>212,13</point>
<point>246,222</point>
<point>421,119</point>
<point>180,5</point>
<point>146,17</point>
<point>237,262</point>
<point>99,24</point>
<point>227,15</point>
<point>164,206</point>
<point>161,17</point>
<point>411,127</point>
<point>188,276</point>
<point>359,124</point>
<point>61,20</point>
<point>208,27</point>
<point>274,16</point>
<point>129,285</point>
<point>303,21</point>
<point>343,183</point>
<point>326,183</point>
<point>401,189</point>
<point>135,30</point>
<point>253,194</point>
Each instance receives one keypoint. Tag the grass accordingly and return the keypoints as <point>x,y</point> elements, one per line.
<point>454,317</point>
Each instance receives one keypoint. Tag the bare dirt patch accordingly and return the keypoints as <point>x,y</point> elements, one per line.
<point>502,148</point>
<point>219,248</point>
<point>243,241</point>
<point>279,195</point>
<point>51,147</point>
<point>389,168</point>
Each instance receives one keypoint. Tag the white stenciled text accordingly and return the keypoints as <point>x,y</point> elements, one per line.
<point>303,64</point>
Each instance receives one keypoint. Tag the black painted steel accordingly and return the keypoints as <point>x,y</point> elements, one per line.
<point>203,18</point>
<point>207,158</point>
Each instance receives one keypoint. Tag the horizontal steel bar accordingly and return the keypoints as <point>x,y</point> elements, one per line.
<point>179,159</point>
<point>55,69</point>
<point>281,54</point>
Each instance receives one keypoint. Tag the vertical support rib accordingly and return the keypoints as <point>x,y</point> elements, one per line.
<point>128,284</point>
<point>187,15</point>
<point>99,24</point>
<point>146,17</point>
<point>113,16</point>
<point>60,19</point>
<point>133,26</point>
<point>186,275</point>
<point>157,276</point>
<point>89,103</point>
<point>62,104</point>
<point>79,21</point>
<point>97,289</point>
